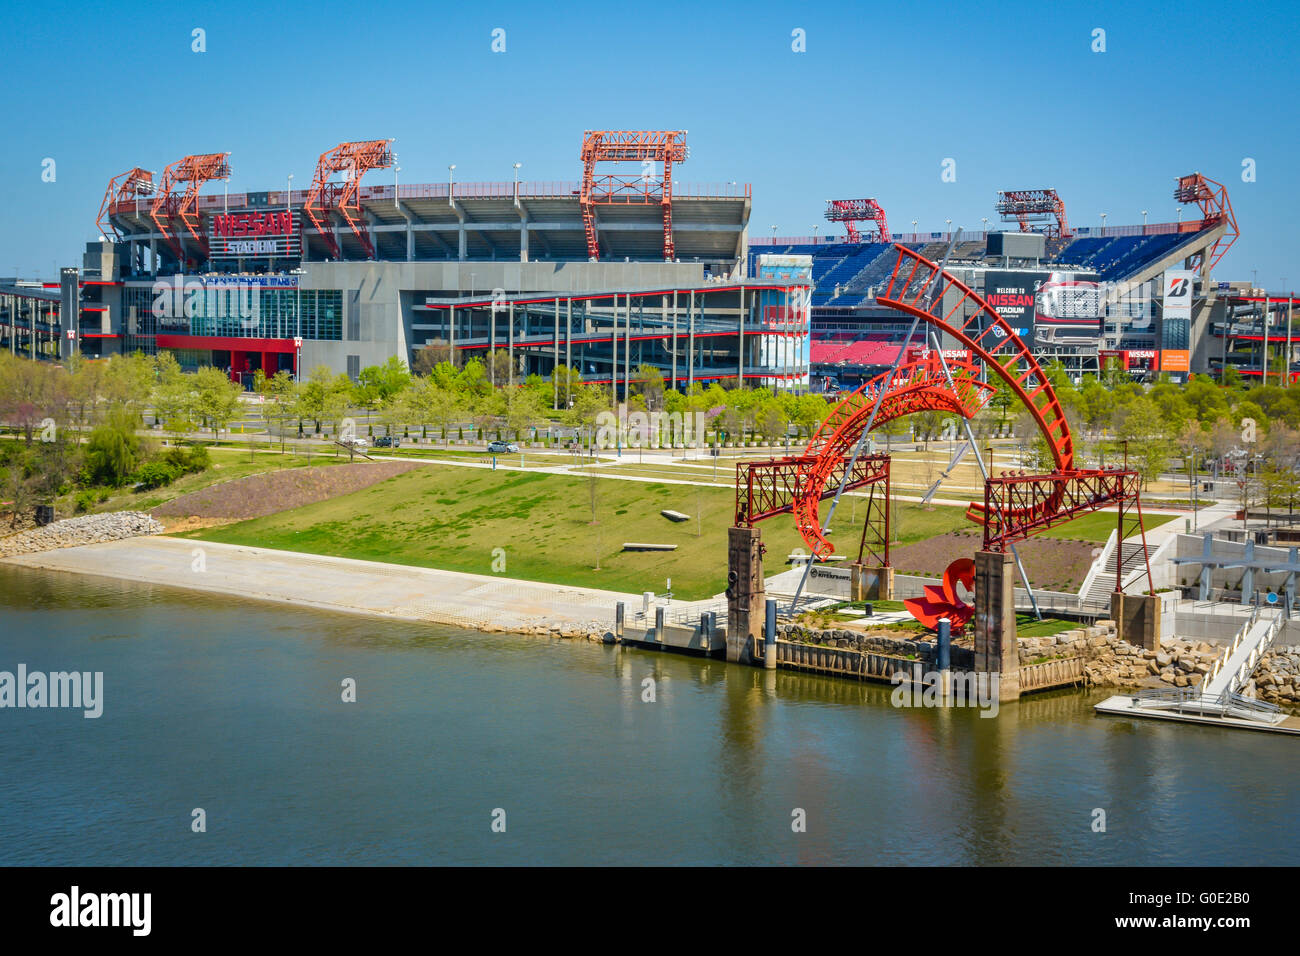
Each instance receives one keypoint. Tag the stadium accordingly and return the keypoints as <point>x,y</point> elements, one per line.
<point>608,273</point>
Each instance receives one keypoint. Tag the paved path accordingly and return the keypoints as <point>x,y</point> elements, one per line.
<point>341,584</point>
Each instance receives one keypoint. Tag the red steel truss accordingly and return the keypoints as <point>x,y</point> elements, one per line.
<point>126,187</point>
<point>853,211</point>
<point>798,484</point>
<point>1018,506</point>
<point>644,189</point>
<point>1027,206</point>
<point>1212,200</point>
<point>193,172</point>
<point>353,160</point>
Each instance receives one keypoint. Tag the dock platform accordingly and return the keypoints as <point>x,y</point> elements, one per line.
<point>1124,705</point>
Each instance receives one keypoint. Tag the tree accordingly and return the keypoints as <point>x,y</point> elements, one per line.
<point>281,404</point>
<point>19,490</point>
<point>523,410</point>
<point>445,407</point>
<point>565,381</point>
<point>500,371</point>
<point>650,385</point>
<point>323,397</point>
<point>430,355</point>
<point>216,399</point>
<point>113,449</point>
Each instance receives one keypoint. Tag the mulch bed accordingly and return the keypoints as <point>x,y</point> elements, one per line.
<point>272,491</point>
<point>1051,563</point>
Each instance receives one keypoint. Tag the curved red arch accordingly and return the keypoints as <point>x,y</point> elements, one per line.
<point>916,386</point>
<point>966,316</point>
<point>999,353</point>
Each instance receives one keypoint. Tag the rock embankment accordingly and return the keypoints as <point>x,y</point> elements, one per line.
<point>1277,679</point>
<point>86,529</point>
<point>1177,663</point>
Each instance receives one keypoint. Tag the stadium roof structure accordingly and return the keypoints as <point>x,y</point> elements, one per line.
<point>709,222</point>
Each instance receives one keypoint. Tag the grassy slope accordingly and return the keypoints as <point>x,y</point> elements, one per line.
<point>227,464</point>
<point>453,518</point>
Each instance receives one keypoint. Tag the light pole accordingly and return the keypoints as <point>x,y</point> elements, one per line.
<point>396,170</point>
<point>948,223</point>
<point>985,220</point>
<point>1144,222</point>
<point>914,222</point>
<point>1103,224</point>
<point>814,235</point>
<point>451,180</point>
<point>225,204</point>
<point>297,339</point>
<point>774,235</point>
<point>517,165</point>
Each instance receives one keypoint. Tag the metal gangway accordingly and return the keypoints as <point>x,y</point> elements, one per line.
<point>1220,693</point>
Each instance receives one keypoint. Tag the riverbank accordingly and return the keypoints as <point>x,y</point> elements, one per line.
<point>471,601</point>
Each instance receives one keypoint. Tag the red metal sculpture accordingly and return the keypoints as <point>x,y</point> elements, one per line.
<point>946,600</point>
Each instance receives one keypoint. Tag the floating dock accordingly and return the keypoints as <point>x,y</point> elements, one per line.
<point>1126,705</point>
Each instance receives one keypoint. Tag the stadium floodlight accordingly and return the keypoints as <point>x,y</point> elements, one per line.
<point>396,170</point>
<point>1103,224</point>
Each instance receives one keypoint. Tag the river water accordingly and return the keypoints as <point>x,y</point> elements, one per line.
<point>235,707</point>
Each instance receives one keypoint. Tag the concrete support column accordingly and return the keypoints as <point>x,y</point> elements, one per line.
<point>1137,619</point>
<point>745,596</point>
<point>870,582</point>
<point>995,621</point>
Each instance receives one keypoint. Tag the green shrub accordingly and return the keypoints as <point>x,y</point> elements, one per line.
<point>155,474</point>
<point>85,500</point>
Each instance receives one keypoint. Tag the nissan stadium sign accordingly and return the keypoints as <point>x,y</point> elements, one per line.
<point>255,234</point>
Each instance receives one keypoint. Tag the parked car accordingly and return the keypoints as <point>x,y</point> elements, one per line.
<point>502,447</point>
<point>388,441</point>
<point>356,441</point>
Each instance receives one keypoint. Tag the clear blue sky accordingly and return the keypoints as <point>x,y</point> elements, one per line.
<point>884,92</point>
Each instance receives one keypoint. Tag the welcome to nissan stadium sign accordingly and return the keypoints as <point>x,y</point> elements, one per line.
<point>255,234</point>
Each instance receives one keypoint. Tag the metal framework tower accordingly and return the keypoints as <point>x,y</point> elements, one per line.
<point>1212,200</point>
<point>193,171</point>
<point>124,187</point>
<point>353,160</point>
<point>645,189</point>
<point>1027,206</point>
<point>853,211</point>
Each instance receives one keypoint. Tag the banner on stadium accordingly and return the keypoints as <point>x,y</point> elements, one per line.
<point>1012,294</point>
<point>1177,298</point>
<point>254,234</point>
<point>917,354</point>
<point>1175,360</point>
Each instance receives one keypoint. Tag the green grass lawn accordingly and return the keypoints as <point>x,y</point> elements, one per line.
<point>1098,526</point>
<point>454,518</point>
<point>1029,626</point>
